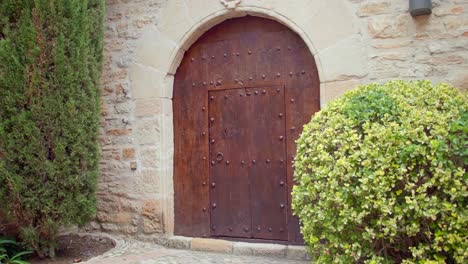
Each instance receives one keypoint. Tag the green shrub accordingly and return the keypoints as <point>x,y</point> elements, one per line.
<point>381,176</point>
<point>50,66</point>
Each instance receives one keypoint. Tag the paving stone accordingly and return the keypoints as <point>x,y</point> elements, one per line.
<point>213,245</point>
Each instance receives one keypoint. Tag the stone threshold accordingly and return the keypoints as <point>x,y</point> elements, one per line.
<point>237,248</point>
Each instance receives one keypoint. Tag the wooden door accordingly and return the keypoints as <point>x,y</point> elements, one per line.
<point>247,163</point>
<point>241,96</point>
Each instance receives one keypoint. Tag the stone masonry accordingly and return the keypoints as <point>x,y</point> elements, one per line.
<point>353,41</point>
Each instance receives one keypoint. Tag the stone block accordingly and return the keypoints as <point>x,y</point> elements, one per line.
<point>333,90</point>
<point>146,181</point>
<point>147,131</point>
<point>373,8</point>
<point>241,248</point>
<point>296,252</point>
<point>175,21</point>
<point>129,153</point>
<point>146,82</point>
<point>152,222</point>
<point>336,19</point>
<point>212,245</point>
<point>345,60</point>
<point>147,107</point>
<point>155,50</point>
<point>179,242</point>
<point>269,250</point>
<point>389,26</point>
<point>150,157</point>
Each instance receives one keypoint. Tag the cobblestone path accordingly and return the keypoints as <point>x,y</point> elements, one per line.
<point>134,252</point>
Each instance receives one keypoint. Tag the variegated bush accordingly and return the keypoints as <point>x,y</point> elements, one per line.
<point>381,176</point>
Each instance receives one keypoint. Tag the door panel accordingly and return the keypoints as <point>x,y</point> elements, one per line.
<point>268,149</point>
<point>230,190</point>
<point>247,155</point>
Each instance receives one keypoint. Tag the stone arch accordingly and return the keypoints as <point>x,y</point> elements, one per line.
<point>331,32</point>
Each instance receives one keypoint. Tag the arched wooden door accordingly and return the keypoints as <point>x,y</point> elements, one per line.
<point>242,94</point>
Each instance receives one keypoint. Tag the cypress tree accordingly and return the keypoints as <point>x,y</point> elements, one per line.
<point>50,66</point>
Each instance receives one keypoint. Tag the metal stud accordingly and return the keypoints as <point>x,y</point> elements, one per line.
<point>211,98</point>
<point>270,229</point>
<point>242,162</point>
<point>230,229</point>
<point>278,48</point>
<point>213,162</point>
<point>263,76</point>
<point>258,229</point>
<point>280,138</point>
<point>193,84</point>
<point>281,160</point>
<point>250,52</point>
<point>235,80</point>
<point>227,162</point>
<point>211,82</point>
<point>213,205</point>
<point>212,57</point>
<point>203,183</point>
<point>281,230</point>
<point>293,128</point>
<point>203,58</point>
<point>241,94</point>
<point>212,120</point>
<point>203,109</point>
<point>250,78</point>
<point>292,100</point>
<point>225,55</point>
<point>246,229</point>
<point>218,83</point>
<point>226,97</point>
<point>203,133</point>
<point>278,90</point>
<point>256,92</point>
<point>213,141</point>
<point>267,161</point>
<point>237,54</point>
<point>282,206</point>
<point>289,47</point>
<point>282,183</point>
<point>204,158</point>
<point>204,83</point>
<point>192,59</point>
<point>263,91</point>
<point>278,74</point>
<point>280,115</point>
<point>204,209</point>
<point>291,73</point>
<point>213,184</point>
<point>253,161</point>
<point>303,72</point>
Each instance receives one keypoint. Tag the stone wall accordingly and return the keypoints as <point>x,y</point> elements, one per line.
<point>354,42</point>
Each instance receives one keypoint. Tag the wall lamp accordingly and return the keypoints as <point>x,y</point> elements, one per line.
<point>420,7</point>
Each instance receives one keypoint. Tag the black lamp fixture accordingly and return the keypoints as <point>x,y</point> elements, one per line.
<point>420,7</point>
